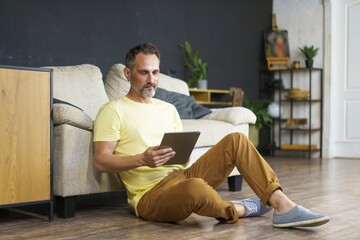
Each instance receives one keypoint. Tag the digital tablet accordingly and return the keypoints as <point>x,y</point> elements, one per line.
<point>182,143</point>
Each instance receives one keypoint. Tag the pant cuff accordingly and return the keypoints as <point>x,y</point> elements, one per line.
<point>269,191</point>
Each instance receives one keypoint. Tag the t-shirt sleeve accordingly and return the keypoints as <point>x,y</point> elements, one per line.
<point>107,124</point>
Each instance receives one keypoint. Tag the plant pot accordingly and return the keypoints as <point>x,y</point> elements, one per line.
<point>202,84</point>
<point>309,63</point>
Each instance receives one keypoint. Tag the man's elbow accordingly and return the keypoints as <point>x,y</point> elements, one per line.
<point>98,166</point>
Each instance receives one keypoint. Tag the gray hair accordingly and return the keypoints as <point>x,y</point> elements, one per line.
<point>145,48</point>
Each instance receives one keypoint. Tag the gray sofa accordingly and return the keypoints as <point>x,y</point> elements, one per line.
<point>84,88</point>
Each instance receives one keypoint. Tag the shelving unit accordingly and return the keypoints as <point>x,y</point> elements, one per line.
<point>312,110</point>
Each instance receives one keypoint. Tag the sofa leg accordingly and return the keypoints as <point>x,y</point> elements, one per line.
<point>65,206</point>
<point>235,183</point>
<point>4,212</point>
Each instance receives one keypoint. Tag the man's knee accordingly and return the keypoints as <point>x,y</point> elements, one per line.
<point>237,137</point>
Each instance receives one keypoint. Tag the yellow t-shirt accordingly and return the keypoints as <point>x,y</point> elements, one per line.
<point>137,126</point>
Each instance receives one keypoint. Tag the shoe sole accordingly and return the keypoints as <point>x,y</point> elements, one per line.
<point>308,223</point>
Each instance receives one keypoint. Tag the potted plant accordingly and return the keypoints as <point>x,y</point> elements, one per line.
<point>194,63</point>
<point>309,52</point>
<point>263,119</point>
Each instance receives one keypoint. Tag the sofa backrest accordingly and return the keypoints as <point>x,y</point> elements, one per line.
<point>80,85</point>
<point>173,84</point>
<point>117,85</point>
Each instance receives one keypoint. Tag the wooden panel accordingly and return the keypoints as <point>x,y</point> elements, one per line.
<point>328,186</point>
<point>24,136</point>
<point>210,96</point>
<point>200,95</point>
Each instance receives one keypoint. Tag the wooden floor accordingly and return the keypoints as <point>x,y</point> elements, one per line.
<point>330,186</point>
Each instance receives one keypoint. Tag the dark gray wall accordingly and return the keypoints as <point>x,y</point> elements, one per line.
<point>228,34</point>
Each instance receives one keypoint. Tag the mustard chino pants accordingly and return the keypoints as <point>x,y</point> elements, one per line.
<point>192,190</point>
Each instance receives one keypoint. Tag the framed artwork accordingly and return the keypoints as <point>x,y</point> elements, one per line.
<point>277,49</point>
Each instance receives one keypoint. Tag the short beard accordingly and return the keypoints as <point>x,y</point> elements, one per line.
<point>146,93</point>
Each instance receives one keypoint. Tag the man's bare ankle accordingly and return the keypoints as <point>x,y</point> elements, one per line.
<point>280,202</point>
<point>284,208</point>
<point>240,209</point>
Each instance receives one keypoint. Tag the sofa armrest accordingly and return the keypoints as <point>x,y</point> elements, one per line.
<point>233,115</point>
<point>74,172</point>
<point>66,114</point>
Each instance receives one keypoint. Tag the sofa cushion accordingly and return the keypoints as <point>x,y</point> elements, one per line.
<point>212,131</point>
<point>185,105</point>
<point>67,114</point>
<point>81,85</point>
<point>116,84</point>
<point>233,115</point>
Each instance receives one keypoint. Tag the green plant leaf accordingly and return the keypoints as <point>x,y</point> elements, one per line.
<point>309,51</point>
<point>187,48</point>
<point>194,63</point>
<point>259,108</point>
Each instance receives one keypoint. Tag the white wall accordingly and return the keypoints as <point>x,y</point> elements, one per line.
<point>304,21</point>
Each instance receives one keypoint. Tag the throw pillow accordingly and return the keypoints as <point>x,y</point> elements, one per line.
<point>233,115</point>
<point>185,105</point>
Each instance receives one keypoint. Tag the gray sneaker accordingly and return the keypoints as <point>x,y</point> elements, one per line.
<point>299,217</point>
<point>253,207</point>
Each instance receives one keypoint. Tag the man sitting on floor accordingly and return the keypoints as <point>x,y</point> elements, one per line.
<point>126,137</point>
